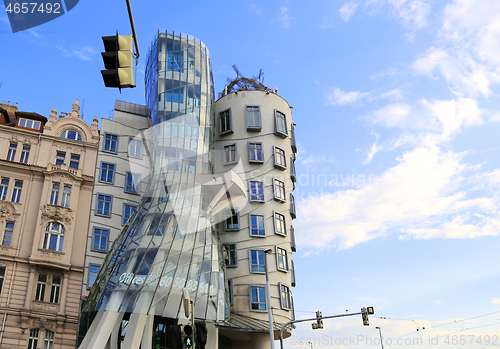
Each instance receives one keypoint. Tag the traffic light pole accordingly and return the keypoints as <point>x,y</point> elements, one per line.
<point>313,319</point>
<point>129,7</point>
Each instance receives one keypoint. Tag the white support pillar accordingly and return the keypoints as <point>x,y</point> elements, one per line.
<point>147,336</point>
<point>100,330</point>
<point>135,329</point>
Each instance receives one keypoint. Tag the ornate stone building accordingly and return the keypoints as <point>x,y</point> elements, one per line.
<point>46,179</point>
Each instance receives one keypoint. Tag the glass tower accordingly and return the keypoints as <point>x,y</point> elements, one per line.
<point>169,243</point>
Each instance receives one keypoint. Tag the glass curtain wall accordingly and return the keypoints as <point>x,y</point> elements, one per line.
<point>169,242</point>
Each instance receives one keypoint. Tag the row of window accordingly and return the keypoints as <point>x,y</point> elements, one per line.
<point>256,222</point>
<point>48,342</point>
<point>25,152</point>
<point>256,192</point>
<point>100,236</point>
<point>74,161</point>
<point>62,191</point>
<point>256,257</point>
<point>107,175</point>
<point>50,281</point>
<point>110,145</point>
<point>16,192</point>
<point>27,123</point>
<point>104,204</point>
<point>253,120</point>
<point>257,296</point>
<point>255,154</point>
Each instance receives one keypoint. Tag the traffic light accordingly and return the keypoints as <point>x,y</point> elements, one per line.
<point>187,336</point>
<point>118,61</point>
<point>364,314</point>
<point>319,321</point>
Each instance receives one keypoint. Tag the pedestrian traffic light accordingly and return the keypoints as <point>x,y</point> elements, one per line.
<point>364,314</point>
<point>187,336</point>
<point>118,61</point>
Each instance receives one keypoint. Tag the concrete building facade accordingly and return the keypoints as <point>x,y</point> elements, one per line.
<point>46,175</point>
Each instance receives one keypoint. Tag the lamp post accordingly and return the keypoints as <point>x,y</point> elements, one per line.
<point>268,303</point>
<point>380,332</point>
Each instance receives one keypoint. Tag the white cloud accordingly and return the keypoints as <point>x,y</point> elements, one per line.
<point>374,149</point>
<point>495,300</point>
<point>422,190</point>
<point>85,53</point>
<point>348,10</point>
<point>314,159</point>
<point>412,13</point>
<point>336,97</point>
<point>285,18</point>
<point>255,9</point>
<point>395,94</point>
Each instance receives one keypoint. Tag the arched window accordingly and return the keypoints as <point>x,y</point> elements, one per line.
<point>54,237</point>
<point>70,134</point>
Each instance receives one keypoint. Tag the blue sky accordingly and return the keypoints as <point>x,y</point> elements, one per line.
<point>398,117</point>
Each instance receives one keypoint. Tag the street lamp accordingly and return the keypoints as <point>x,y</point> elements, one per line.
<point>268,301</point>
<point>380,332</point>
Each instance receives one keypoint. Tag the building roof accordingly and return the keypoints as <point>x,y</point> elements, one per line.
<point>31,115</point>
<point>245,323</point>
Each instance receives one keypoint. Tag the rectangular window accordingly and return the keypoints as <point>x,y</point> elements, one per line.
<point>230,154</point>
<point>132,183</point>
<point>33,339</point>
<point>2,276</point>
<point>55,289</point>
<point>230,256</point>
<point>4,185</point>
<point>230,288</point>
<point>110,143</point>
<point>48,342</point>
<point>75,161</point>
<point>255,152</point>
<point>107,172</point>
<point>232,221</point>
<point>257,225</point>
<point>293,246</point>
<point>293,274</point>
<point>135,148</point>
<point>93,271</point>
<point>279,224</point>
<point>285,297</point>
<point>292,206</point>
<point>25,154</point>
<point>27,123</point>
<point>54,195</point>
<point>293,175</point>
<point>293,144</point>
<point>11,154</point>
<point>60,157</point>
<point>104,205</point>
<point>281,259</point>
<point>256,191</point>
<point>16,193</point>
<point>279,158</point>
<point>127,212</point>
<point>279,190</point>
<point>280,128</point>
<point>225,123</point>
<point>8,232</point>
<point>253,118</point>
<point>257,298</point>
<point>66,196</point>
<point>40,287</point>
<point>257,261</point>
<point>100,238</point>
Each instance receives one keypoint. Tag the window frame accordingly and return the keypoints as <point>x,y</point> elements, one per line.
<point>47,237</point>
<point>286,264</point>
<point>25,154</point>
<point>41,288</point>
<point>277,193</point>
<point>278,116</point>
<point>250,224</point>
<point>230,287</point>
<point>94,235</point>
<point>250,264</point>
<point>33,338</point>
<point>96,213</point>
<point>65,195</point>
<point>138,189</point>
<point>107,170</point>
<point>235,250</point>
<point>55,289</point>
<point>255,197</point>
<point>230,214</point>
<point>74,159</point>
<point>253,128</point>
<point>11,152</point>
<point>293,211</point>
<point>275,157</point>
<point>289,294</point>
<point>2,277</point>
<point>259,287</point>
<point>111,141</point>
<point>77,134</point>
<point>226,161</point>
<point>48,340</point>
<point>4,187</point>
<point>123,211</point>
<point>90,273</point>
<point>133,139</point>
<point>250,160</point>
<point>35,122</point>
<point>59,157</point>
<point>9,231</point>
<point>54,192</point>
<point>275,220</point>
<point>230,129</point>
<point>17,192</point>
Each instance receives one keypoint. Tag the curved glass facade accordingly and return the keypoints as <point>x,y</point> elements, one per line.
<point>169,242</point>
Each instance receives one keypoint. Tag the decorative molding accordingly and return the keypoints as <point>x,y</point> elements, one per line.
<point>8,212</point>
<point>56,213</point>
<point>43,323</point>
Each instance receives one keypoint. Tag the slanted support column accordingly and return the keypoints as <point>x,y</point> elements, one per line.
<point>147,336</point>
<point>135,330</point>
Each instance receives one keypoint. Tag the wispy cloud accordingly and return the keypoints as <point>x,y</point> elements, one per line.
<point>348,10</point>
<point>255,9</point>
<point>315,159</point>
<point>85,53</point>
<point>284,18</point>
<point>495,300</point>
<point>412,13</point>
<point>336,97</point>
